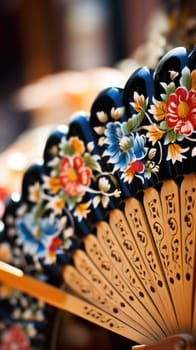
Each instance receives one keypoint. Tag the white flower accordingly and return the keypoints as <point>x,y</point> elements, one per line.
<point>99,130</point>
<point>102,116</point>
<point>90,146</point>
<point>116,113</point>
<point>193,154</point>
<point>104,184</point>
<point>56,203</point>
<point>103,198</point>
<point>31,330</point>
<point>69,232</point>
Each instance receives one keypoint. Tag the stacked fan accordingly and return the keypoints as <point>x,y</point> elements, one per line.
<point>109,215</point>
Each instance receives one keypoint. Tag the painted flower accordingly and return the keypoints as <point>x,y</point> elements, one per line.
<point>117,113</point>
<point>52,184</point>
<point>14,339</point>
<point>154,134</point>
<point>55,244</point>
<point>193,80</point>
<point>135,167</point>
<point>140,102</point>
<point>74,176</point>
<point>138,149</point>
<point>56,204</point>
<point>181,111</point>
<point>122,149</point>
<point>102,116</point>
<point>35,192</point>
<point>77,145</point>
<point>104,187</point>
<point>36,235</point>
<point>158,109</point>
<point>114,139</point>
<point>175,153</point>
<point>82,210</point>
<point>72,146</point>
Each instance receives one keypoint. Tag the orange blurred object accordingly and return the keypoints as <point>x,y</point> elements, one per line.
<point>53,98</point>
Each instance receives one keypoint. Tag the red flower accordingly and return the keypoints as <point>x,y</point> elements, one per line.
<point>136,167</point>
<point>74,175</point>
<point>55,244</point>
<point>14,338</point>
<point>181,111</point>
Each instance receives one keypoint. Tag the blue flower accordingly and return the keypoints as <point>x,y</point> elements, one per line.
<point>123,148</point>
<point>139,150</point>
<point>36,235</point>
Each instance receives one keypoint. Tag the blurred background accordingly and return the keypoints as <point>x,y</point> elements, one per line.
<point>41,38</point>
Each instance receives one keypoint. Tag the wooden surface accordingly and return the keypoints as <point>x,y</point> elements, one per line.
<point>176,342</point>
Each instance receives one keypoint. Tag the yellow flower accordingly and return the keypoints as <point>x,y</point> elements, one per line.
<point>128,175</point>
<point>82,210</point>
<point>175,152</point>
<point>193,79</point>
<point>140,103</point>
<point>34,192</point>
<point>158,109</point>
<point>52,183</point>
<point>57,204</point>
<point>77,145</point>
<point>154,133</point>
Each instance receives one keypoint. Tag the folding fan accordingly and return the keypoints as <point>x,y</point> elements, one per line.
<point>107,220</point>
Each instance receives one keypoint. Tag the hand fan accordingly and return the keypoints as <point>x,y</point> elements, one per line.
<point>108,217</point>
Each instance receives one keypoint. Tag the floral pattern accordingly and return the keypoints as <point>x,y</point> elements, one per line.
<point>172,120</point>
<point>83,178</point>
<point>37,234</point>
<point>14,338</point>
<point>181,111</point>
<point>74,176</point>
<point>134,141</point>
<point>22,321</point>
<point>75,183</point>
<point>123,148</point>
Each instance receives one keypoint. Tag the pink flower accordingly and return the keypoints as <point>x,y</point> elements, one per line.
<point>181,111</point>
<point>14,338</point>
<point>74,175</point>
